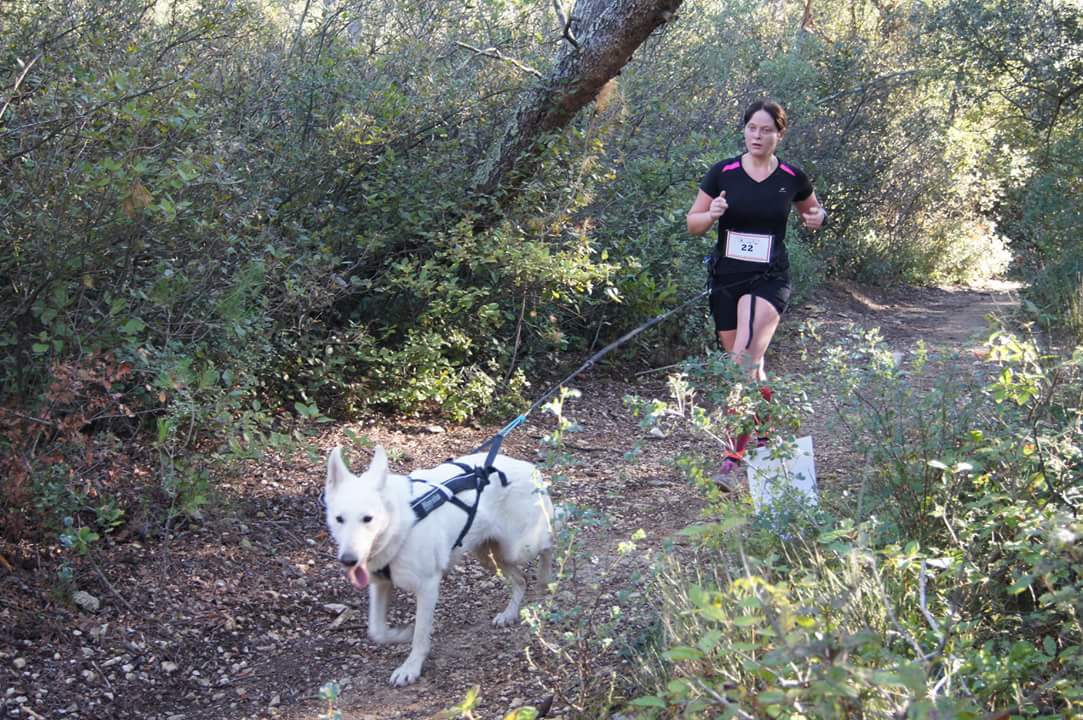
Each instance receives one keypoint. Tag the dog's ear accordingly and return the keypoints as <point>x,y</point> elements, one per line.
<point>379,465</point>
<point>336,469</point>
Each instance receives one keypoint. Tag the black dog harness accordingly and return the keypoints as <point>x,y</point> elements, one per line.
<point>471,478</point>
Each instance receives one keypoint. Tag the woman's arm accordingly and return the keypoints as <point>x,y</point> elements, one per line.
<point>705,211</point>
<point>812,213</point>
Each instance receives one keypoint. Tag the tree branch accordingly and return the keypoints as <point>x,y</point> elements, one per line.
<point>86,116</point>
<point>495,54</point>
<point>18,82</point>
<point>566,24</point>
<point>865,87</point>
<point>608,36</point>
<point>722,700</point>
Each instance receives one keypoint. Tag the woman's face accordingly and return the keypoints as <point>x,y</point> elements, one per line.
<point>761,134</point>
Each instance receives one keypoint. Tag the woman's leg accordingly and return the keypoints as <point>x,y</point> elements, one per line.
<point>757,321</point>
<point>724,311</point>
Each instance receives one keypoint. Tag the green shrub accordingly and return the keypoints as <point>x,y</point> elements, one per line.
<point>225,204</point>
<point>958,594</point>
<point>902,413</point>
<point>804,634</point>
<point>1057,293</point>
<point>714,398</point>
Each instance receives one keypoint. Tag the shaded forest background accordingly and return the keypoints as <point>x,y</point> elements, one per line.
<point>217,214</point>
<point>220,219</point>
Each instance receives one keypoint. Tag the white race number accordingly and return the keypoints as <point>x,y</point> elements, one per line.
<point>748,246</point>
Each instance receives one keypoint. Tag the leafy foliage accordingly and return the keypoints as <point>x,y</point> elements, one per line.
<point>951,587</point>
<point>261,213</point>
<point>256,215</point>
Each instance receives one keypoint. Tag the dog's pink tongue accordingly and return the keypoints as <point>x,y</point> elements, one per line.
<point>358,576</point>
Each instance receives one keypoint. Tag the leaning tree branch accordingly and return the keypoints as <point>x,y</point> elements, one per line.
<point>610,33</point>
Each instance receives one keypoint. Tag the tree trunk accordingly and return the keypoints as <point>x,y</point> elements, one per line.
<point>606,33</point>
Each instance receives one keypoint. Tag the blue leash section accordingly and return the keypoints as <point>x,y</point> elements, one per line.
<point>493,443</point>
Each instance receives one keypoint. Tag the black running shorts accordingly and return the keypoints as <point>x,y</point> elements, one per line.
<point>726,290</point>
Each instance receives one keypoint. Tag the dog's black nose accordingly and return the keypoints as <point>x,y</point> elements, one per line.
<point>349,559</point>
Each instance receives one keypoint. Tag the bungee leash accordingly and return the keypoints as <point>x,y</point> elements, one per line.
<point>477,477</point>
<point>493,443</point>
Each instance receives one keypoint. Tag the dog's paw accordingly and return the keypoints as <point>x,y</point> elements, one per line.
<point>508,617</point>
<point>407,673</point>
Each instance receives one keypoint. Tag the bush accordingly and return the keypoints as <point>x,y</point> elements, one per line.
<point>956,595</point>
<point>1057,295</point>
<point>215,198</point>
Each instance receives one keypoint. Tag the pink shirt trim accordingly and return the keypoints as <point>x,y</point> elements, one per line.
<point>786,169</point>
<point>731,166</point>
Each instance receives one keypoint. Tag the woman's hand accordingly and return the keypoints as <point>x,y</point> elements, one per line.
<point>705,212</point>
<point>814,217</point>
<point>718,206</point>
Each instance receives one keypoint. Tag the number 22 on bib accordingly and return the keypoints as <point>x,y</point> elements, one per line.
<point>748,246</point>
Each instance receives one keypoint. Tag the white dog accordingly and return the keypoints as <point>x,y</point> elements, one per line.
<point>381,541</point>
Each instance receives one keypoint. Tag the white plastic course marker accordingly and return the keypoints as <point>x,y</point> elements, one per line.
<point>777,473</point>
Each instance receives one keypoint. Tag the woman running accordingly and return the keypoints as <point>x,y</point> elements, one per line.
<point>749,196</point>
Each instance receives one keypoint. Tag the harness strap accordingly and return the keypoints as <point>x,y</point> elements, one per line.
<point>493,446</point>
<point>458,485</point>
<point>471,478</point>
<point>471,511</point>
<point>442,489</point>
<point>481,479</point>
<point>751,320</point>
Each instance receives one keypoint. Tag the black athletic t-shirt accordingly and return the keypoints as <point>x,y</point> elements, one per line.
<point>752,232</point>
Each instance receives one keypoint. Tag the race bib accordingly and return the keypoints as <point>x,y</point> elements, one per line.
<point>748,246</point>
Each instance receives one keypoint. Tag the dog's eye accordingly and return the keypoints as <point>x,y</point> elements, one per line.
<point>366,518</point>
<point>339,519</point>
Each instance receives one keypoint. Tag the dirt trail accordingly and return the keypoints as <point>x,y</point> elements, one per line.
<point>945,318</point>
<point>242,617</point>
